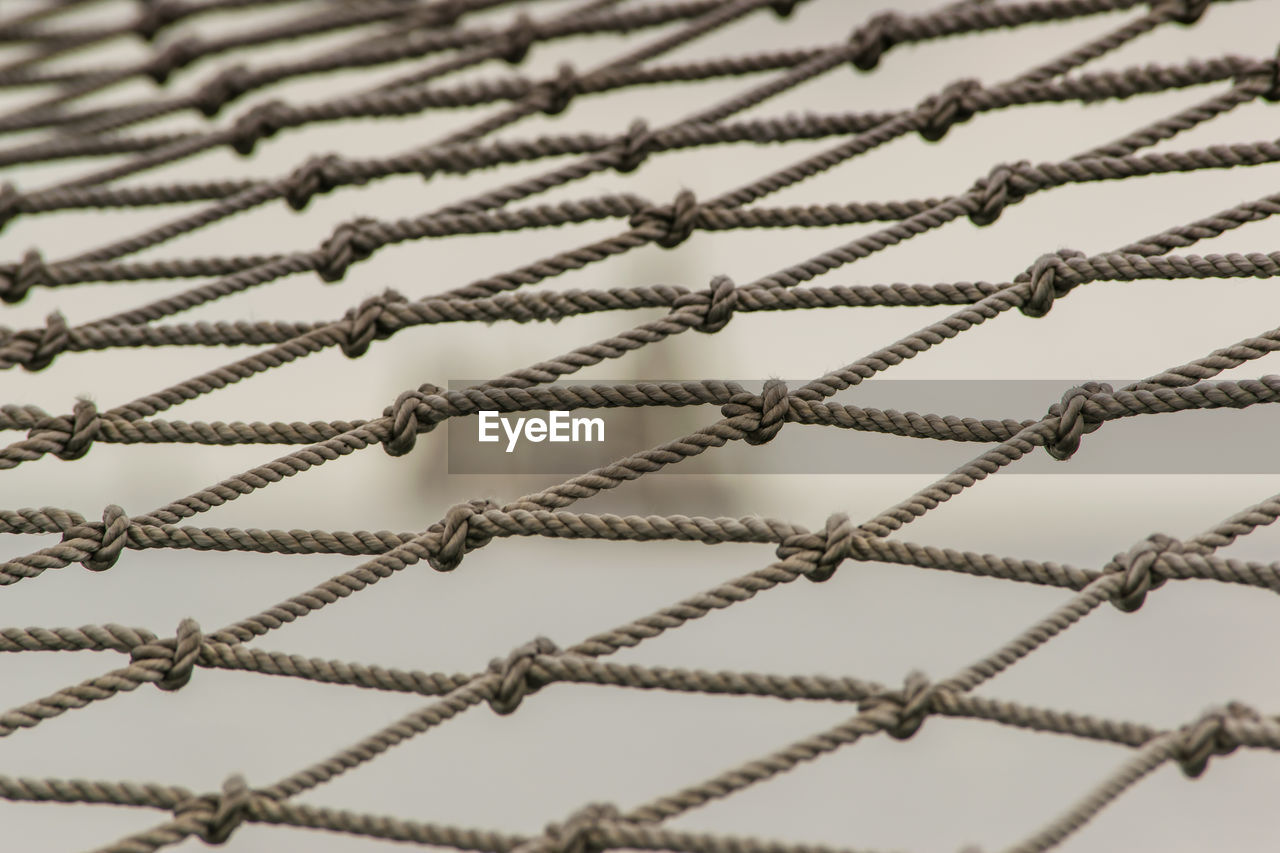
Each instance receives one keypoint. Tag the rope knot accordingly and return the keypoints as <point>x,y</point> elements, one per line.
<point>1051,278</point>
<point>85,423</point>
<point>220,814</point>
<point>21,277</point>
<point>49,342</point>
<point>519,37</point>
<point>575,834</point>
<point>872,39</point>
<point>953,105</point>
<point>10,206</point>
<point>994,192</point>
<point>718,302</point>
<point>723,300</point>
<point>677,220</point>
<point>259,123</point>
<point>369,322</point>
<point>826,550</point>
<point>225,86</point>
<point>634,147</point>
<point>838,546</point>
<point>179,653</point>
<point>405,424</point>
<point>773,406</point>
<point>71,436</point>
<point>1140,574</point>
<point>1210,736</point>
<point>1272,94</point>
<point>1072,424</point>
<point>156,15</point>
<point>553,96</point>
<point>1184,11</point>
<point>901,712</point>
<point>317,176</point>
<point>456,537</point>
<point>350,242</point>
<point>514,681</point>
<point>112,534</point>
<point>174,57</point>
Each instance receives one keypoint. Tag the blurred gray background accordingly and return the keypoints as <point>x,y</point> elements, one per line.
<point>1191,646</point>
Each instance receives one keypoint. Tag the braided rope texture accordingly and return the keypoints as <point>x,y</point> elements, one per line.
<point>427,46</point>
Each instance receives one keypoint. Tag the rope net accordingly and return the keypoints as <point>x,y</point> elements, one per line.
<point>434,40</point>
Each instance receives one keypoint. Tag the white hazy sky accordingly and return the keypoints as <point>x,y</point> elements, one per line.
<point>1192,646</point>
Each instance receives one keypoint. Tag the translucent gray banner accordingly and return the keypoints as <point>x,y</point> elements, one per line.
<point>1221,441</point>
